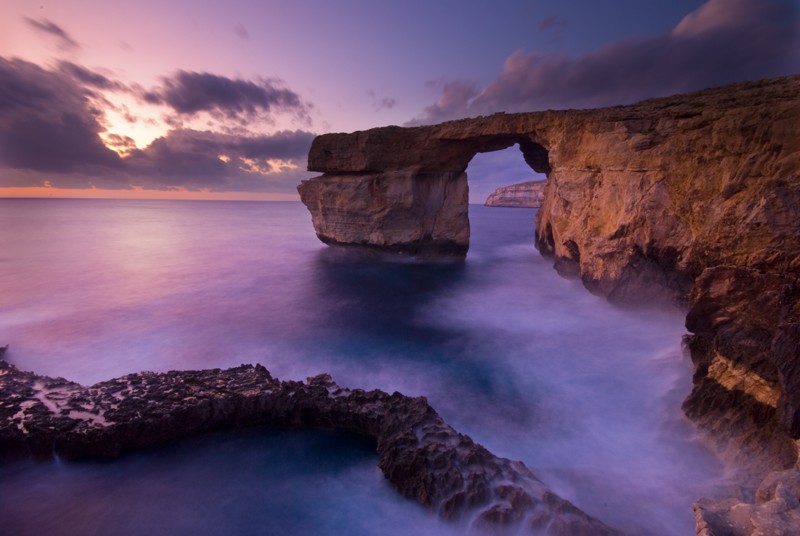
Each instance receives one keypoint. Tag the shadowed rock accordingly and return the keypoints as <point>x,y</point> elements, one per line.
<point>693,199</point>
<point>425,458</point>
<point>775,511</point>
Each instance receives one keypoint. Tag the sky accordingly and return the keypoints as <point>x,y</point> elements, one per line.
<point>221,100</point>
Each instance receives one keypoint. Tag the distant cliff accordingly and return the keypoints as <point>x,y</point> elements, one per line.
<point>524,194</point>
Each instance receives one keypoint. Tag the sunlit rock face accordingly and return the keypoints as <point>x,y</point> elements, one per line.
<point>693,199</point>
<point>528,194</point>
<point>404,211</point>
<point>405,189</point>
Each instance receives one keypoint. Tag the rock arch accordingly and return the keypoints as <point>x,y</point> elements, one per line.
<point>401,189</point>
<point>692,198</point>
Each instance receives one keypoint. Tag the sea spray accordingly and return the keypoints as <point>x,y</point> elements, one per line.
<point>524,361</point>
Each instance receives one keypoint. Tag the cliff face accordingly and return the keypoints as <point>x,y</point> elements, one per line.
<point>403,210</point>
<point>525,194</point>
<point>693,198</point>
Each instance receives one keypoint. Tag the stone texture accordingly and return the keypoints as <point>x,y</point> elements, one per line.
<point>745,391</point>
<point>401,211</point>
<point>639,201</point>
<point>775,512</point>
<point>691,199</point>
<point>524,194</point>
<point>423,457</point>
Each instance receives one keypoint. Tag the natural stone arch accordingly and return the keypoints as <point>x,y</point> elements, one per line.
<point>398,190</point>
<point>691,198</point>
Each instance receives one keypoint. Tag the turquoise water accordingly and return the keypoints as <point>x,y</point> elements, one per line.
<point>527,363</point>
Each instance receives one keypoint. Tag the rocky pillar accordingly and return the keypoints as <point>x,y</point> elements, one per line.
<point>406,211</point>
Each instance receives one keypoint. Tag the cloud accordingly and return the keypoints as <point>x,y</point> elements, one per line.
<point>454,102</point>
<point>47,122</point>
<point>550,22</point>
<point>65,41</point>
<point>241,32</point>
<point>384,103</point>
<point>723,41</point>
<point>51,122</point>
<point>91,78</point>
<point>189,93</point>
<point>221,162</point>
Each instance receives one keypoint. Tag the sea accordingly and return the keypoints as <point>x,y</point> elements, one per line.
<point>526,362</point>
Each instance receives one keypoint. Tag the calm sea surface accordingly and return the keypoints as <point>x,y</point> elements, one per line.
<point>527,363</point>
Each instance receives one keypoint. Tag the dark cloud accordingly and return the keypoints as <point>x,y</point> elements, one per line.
<point>65,41</point>
<point>723,41</point>
<point>47,123</point>
<point>190,92</point>
<point>91,78</point>
<point>202,159</point>
<point>50,127</point>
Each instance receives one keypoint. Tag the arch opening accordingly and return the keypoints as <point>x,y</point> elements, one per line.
<point>497,167</point>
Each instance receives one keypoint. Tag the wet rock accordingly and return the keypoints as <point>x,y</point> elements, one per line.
<point>775,512</point>
<point>691,199</point>
<point>745,391</point>
<point>423,457</point>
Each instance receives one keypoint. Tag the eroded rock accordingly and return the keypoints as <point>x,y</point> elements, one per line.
<point>691,199</point>
<point>775,512</point>
<point>423,457</point>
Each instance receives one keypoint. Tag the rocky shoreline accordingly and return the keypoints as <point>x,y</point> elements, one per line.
<point>692,199</point>
<point>419,453</point>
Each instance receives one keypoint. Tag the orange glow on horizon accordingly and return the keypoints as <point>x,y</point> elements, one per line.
<point>140,193</point>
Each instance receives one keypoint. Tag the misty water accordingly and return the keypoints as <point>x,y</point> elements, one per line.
<point>527,363</point>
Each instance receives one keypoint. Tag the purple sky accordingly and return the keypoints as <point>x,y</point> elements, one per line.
<point>226,96</point>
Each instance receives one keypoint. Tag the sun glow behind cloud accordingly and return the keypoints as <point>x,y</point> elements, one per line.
<point>127,120</point>
<point>160,101</point>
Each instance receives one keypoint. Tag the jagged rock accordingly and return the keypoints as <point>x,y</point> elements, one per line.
<point>776,511</point>
<point>641,202</point>
<point>690,199</point>
<point>744,388</point>
<point>424,457</point>
<point>525,194</point>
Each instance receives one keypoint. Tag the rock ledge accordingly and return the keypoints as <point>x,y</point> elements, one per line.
<point>425,458</point>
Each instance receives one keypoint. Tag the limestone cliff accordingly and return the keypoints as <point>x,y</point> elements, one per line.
<point>528,194</point>
<point>693,198</point>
